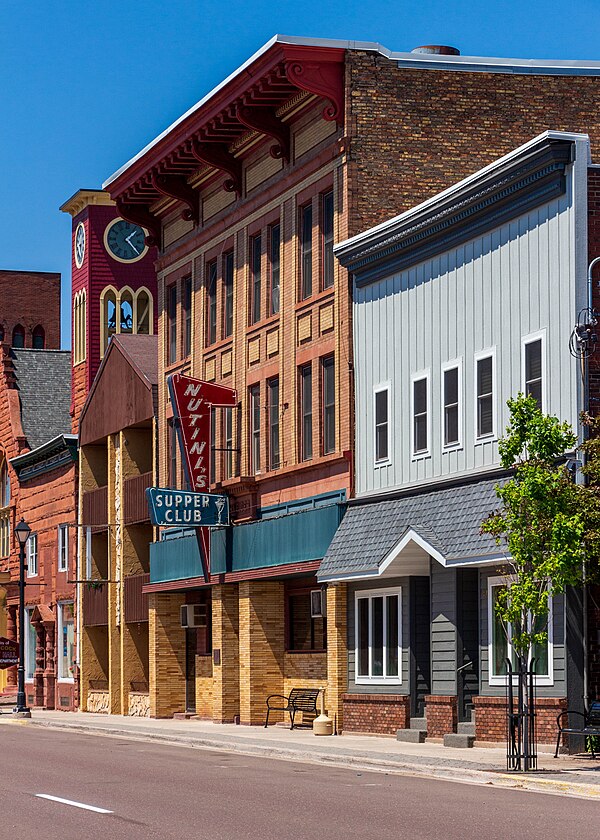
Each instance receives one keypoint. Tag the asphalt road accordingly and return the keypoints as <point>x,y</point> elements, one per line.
<point>158,791</point>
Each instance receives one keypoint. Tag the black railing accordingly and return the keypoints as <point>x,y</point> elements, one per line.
<point>521,744</point>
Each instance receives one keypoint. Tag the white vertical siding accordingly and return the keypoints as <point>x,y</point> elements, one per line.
<point>487,293</point>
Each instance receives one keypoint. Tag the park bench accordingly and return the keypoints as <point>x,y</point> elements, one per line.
<point>590,726</point>
<point>299,700</point>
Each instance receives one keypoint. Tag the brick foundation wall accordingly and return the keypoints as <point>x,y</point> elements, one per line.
<point>490,718</point>
<point>381,714</point>
<point>442,714</point>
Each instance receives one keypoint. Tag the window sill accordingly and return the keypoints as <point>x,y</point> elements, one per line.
<point>378,464</point>
<point>208,349</point>
<point>485,439</point>
<point>501,682</point>
<point>452,447</point>
<point>421,456</point>
<point>312,650</point>
<point>269,321</point>
<point>177,367</point>
<point>376,681</point>
<point>65,680</point>
<point>316,297</point>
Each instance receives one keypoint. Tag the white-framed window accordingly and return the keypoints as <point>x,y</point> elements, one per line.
<point>63,548</point>
<point>32,556</point>
<point>452,404</point>
<point>66,641</point>
<point>381,414</point>
<point>533,367</point>
<point>30,645</point>
<point>378,643</point>
<point>500,647</point>
<point>88,553</point>
<point>420,413</point>
<point>485,394</point>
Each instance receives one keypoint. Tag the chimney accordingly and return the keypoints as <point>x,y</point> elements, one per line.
<point>436,49</point>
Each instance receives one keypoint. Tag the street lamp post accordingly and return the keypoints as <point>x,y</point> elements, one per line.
<point>22,532</point>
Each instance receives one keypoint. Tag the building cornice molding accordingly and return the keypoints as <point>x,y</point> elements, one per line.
<point>83,198</point>
<point>49,456</point>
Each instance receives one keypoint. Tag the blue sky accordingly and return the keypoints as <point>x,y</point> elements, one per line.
<point>84,86</point>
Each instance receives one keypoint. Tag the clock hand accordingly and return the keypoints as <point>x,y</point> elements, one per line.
<point>128,240</point>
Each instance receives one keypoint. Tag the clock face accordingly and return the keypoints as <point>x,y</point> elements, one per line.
<point>79,245</point>
<point>125,241</point>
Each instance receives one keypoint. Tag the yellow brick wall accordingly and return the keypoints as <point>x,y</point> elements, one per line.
<point>167,655</point>
<point>337,650</point>
<point>204,687</point>
<point>225,640</point>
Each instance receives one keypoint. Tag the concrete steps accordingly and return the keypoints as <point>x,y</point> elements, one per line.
<point>419,723</point>
<point>411,736</point>
<point>458,740</point>
<point>466,728</point>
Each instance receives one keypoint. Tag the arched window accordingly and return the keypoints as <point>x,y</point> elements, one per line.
<point>144,315</point>
<point>4,508</point>
<point>108,315</point>
<point>1,333</point>
<point>125,311</point>
<point>38,341</point>
<point>79,327</point>
<point>18,336</point>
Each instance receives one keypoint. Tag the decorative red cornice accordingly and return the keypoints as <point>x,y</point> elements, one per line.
<point>175,186</point>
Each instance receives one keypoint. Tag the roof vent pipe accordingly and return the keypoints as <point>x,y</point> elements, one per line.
<point>436,49</point>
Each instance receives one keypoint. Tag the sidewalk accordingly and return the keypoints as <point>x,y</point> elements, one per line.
<point>567,775</point>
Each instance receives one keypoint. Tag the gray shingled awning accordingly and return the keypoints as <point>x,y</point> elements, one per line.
<point>392,536</point>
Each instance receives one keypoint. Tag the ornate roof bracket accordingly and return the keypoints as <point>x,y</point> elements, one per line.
<point>261,119</point>
<point>177,187</point>
<point>140,215</point>
<point>323,78</point>
<point>217,155</point>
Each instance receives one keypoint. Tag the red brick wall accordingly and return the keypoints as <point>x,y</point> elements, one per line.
<point>442,714</point>
<point>31,298</point>
<point>382,714</point>
<point>490,718</point>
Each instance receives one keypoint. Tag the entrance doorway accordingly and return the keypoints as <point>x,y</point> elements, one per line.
<point>467,676</point>
<point>420,644</point>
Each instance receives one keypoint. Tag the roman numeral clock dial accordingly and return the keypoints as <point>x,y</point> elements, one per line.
<point>124,241</point>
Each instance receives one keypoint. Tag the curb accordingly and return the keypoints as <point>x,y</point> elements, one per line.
<point>506,781</point>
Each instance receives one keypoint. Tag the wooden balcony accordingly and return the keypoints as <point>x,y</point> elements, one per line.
<point>135,505</point>
<point>95,605</point>
<point>136,603</point>
<point>95,509</point>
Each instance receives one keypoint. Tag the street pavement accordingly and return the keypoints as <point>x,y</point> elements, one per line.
<point>146,789</point>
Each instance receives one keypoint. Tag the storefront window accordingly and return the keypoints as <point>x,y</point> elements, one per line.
<point>66,641</point>
<point>304,631</point>
<point>378,642</point>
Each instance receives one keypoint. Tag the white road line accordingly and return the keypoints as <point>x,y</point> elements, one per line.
<point>74,804</point>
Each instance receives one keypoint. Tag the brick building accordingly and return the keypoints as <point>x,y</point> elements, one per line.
<point>308,144</point>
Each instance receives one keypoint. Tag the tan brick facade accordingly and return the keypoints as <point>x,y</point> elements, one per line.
<point>167,655</point>
<point>225,640</point>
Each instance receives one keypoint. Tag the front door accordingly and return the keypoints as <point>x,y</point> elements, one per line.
<point>467,676</point>
<point>420,645</point>
<point>191,644</point>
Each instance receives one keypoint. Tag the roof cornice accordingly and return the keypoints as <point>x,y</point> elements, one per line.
<point>48,456</point>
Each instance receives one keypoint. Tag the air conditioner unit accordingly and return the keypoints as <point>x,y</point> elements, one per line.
<point>317,603</point>
<point>193,615</point>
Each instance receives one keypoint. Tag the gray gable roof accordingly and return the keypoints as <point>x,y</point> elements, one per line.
<point>43,380</point>
<point>447,519</point>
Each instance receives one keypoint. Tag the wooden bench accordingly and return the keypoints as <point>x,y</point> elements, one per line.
<point>590,726</point>
<point>299,700</point>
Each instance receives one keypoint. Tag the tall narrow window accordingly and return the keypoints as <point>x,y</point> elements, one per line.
<point>306,430</point>
<point>419,416</point>
<point>228,293</point>
<point>451,407</point>
<point>66,641</point>
<point>328,404</point>
<point>143,313</point>
<point>327,238</point>
<point>38,338</point>
<point>30,645</point>
<point>63,548</point>
<point>211,302</point>
<point>187,316</point>
<point>273,390</point>
<point>18,336</point>
<point>213,443</point>
<point>378,639</point>
<point>274,267</point>
<point>533,370</point>
<point>306,251</point>
<point>32,556</point>
<point>228,442</point>
<point>381,425</point>
<point>172,322</point>
<point>255,429</point>
<point>485,396</point>
<point>255,266</point>
<point>125,312</point>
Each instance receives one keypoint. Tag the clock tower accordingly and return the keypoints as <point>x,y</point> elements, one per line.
<point>113,289</point>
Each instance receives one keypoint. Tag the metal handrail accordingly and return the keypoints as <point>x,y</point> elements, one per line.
<point>462,667</point>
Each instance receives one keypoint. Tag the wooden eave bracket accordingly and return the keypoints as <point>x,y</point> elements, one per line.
<point>216,154</point>
<point>262,119</point>
<point>138,214</point>
<point>324,78</point>
<point>175,186</point>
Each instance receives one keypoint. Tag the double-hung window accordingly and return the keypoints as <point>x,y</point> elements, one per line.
<point>378,636</point>
<point>254,429</point>
<point>484,381</point>
<point>255,277</point>
<point>211,302</point>
<point>382,418</point>
<point>500,648</point>
<point>63,548</point>
<point>228,294</point>
<point>328,404</point>
<point>172,323</point>
<point>187,316</point>
<point>228,442</point>
<point>273,395</point>
<point>327,239</point>
<point>420,416</point>
<point>533,368</point>
<point>213,444</point>
<point>451,418</point>
<point>274,268</point>
<point>32,556</point>
<point>305,251</point>
<point>306,431</point>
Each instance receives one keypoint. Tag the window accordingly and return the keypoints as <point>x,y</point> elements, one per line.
<point>63,548</point>
<point>125,311</point>
<point>420,421</point>
<point>306,448</point>
<point>4,510</point>
<point>38,339</point>
<point>327,238</point>
<point>187,316</point>
<point>499,641</point>
<point>485,396</point>
<point>382,424</point>
<point>228,442</point>
<point>328,404</point>
<point>273,391</point>
<point>228,291</point>
<point>172,450</point>
<point>121,311</point>
<point>4,485</point>
<point>304,632</point>
<point>172,323</point>
<point>306,251</point>
<point>213,443</point>
<point>1,333</point>
<point>378,651</point>
<point>30,645</point>
<point>18,336</point>
<point>79,327</point>
<point>254,429</point>
<point>274,267</point>
<point>255,267</point>
<point>32,556</point>
<point>451,419</point>
<point>211,302</point>
<point>66,641</point>
<point>143,313</point>
<point>533,369</point>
